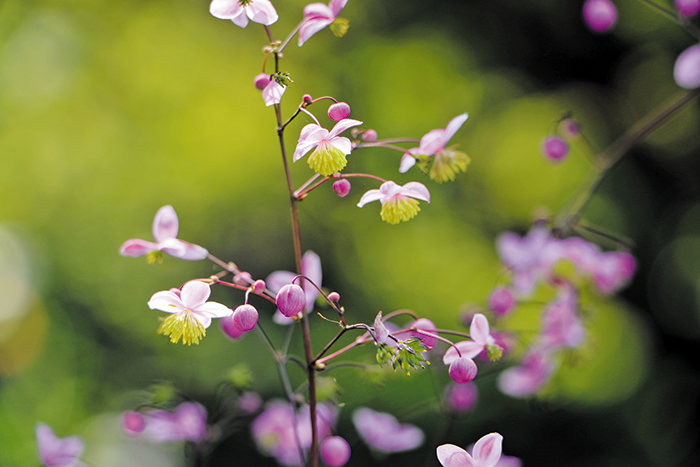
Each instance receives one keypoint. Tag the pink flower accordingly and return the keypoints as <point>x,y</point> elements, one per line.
<point>187,423</point>
<point>486,453</point>
<point>426,328</point>
<point>396,204</point>
<point>481,339</point>
<point>335,451</point>
<point>599,15</point>
<point>527,378</point>
<point>462,370</point>
<point>311,268</point>
<point>239,11</point>
<point>686,70</point>
<point>501,301</point>
<point>381,431</point>
<point>460,397</point>
<point>272,93</point>
<point>330,149</point>
<point>555,148</point>
<point>58,452</point>
<point>191,313</point>
<point>165,227</point>
<point>562,324</point>
<point>317,16</point>
<point>688,8</point>
<point>447,161</point>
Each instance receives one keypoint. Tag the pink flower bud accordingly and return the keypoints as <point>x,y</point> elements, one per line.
<point>291,300</point>
<point>133,423</point>
<point>258,287</point>
<point>342,187</point>
<point>261,80</point>
<point>461,397</point>
<point>335,451</point>
<point>688,8</point>
<point>243,278</point>
<point>570,128</point>
<point>501,301</point>
<point>245,317</point>
<point>229,328</point>
<point>555,148</point>
<point>334,297</point>
<point>308,100</point>
<point>370,136</point>
<point>249,402</point>
<point>599,15</point>
<point>339,111</point>
<point>462,370</point>
<point>686,71</point>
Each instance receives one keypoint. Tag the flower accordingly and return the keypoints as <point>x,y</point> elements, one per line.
<point>460,398</point>
<point>191,313</point>
<point>381,431</point>
<point>527,378</point>
<point>447,162</point>
<point>317,16</point>
<point>481,339</point>
<point>599,15</point>
<point>272,93</point>
<point>688,8</point>
<point>487,451</point>
<point>555,148</point>
<point>311,268</point>
<point>686,70</point>
<point>330,150</point>
<point>58,452</point>
<point>165,227</point>
<point>335,451</point>
<point>396,204</point>
<point>239,11</point>
<point>187,423</point>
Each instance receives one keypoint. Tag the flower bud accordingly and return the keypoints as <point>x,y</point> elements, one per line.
<point>249,402</point>
<point>335,451</point>
<point>686,71</point>
<point>339,111</point>
<point>599,15</point>
<point>555,148</point>
<point>261,80</point>
<point>133,423</point>
<point>229,328</point>
<point>501,301</point>
<point>462,370</point>
<point>334,297</point>
<point>570,127</point>
<point>308,100</point>
<point>369,136</point>
<point>342,187</point>
<point>460,397</point>
<point>688,8</point>
<point>291,300</point>
<point>258,287</point>
<point>245,317</point>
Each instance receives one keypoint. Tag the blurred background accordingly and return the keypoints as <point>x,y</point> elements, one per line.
<point>110,110</point>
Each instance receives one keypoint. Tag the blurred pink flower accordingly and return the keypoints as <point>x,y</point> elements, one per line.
<point>460,397</point>
<point>58,452</point>
<point>165,227</point>
<point>486,453</point>
<point>318,16</point>
<point>187,423</point>
<point>527,378</point>
<point>381,431</point>
<point>239,11</point>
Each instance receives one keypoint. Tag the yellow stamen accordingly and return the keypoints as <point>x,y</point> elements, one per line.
<point>327,160</point>
<point>339,27</point>
<point>447,163</point>
<point>154,257</point>
<point>182,325</point>
<point>402,209</point>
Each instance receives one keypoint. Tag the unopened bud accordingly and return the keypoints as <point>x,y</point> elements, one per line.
<point>686,70</point>
<point>339,111</point>
<point>342,187</point>
<point>334,297</point>
<point>291,300</point>
<point>462,370</point>
<point>245,317</point>
<point>133,423</point>
<point>555,148</point>
<point>335,451</point>
<point>308,100</point>
<point>370,136</point>
<point>229,328</point>
<point>599,15</point>
<point>570,127</point>
<point>258,287</point>
<point>261,80</point>
<point>688,8</point>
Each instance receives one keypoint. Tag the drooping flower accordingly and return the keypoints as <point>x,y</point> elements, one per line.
<point>481,339</point>
<point>462,370</point>
<point>272,93</point>
<point>311,268</point>
<point>191,314</point>
<point>381,431</point>
<point>447,161</point>
<point>397,202</point>
<point>58,452</point>
<point>239,11</point>
<point>330,149</point>
<point>317,16</point>
<point>486,453</point>
<point>165,227</point>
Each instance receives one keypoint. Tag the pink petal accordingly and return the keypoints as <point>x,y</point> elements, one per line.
<point>310,136</point>
<point>453,126</point>
<point>487,451</point>
<point>58,452</point>
<point>213,310</point>
<point>191,252</point>
<point>371,195</point>
<point>165,224</point>
<point>262,12</point>
<point>469,349</point>
<point>343,125</point>
<point>166,301</point>
<point>431,142</point>
<point>416,190</point>
<point>311,27</point>
<point>137,247</point>
<point>342,143</point>
<point>204,320</point>
<point>225,9</point>
<point>407,161</point>
<point>276,280</point>
<point>272,94</point>
<point>173,247</point>
<point>479,330</point>
<point>195,293</point>
<point>446,451</point>
<point>313,10</point>
<point>337,6</point>
<point>311,267</point>
<point>240,20</point>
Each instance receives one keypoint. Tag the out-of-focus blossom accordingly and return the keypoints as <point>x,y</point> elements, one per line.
<point>613,270</point>
<point>311,268</point>
<point>249,402</point>
<point>555,148</point>
<point>58,452</point>
<point>335,451</point>
<point>599,15</point>
<point>272,93</point>
<point>382,432</point>
<point>369,136</point>
<point>486,453</point>
<point>501,301</point>
<point>191,314</point>
<point>479,332</point>
<point>165,227</point>
<point>187,423</point>
<point>133,423</point>
<point>397,201</point>
<point>447,162</point>
<point>329,153</point>
<point>427,329</point>
<point>570,127</point>
<point>240,11</point>
<point>562,324</point>
<point>230,329</point>
<point>318,16</point>
<point>528,377</point>
<point>460,398</point>
<point>686,70</point>
<point>688,8</point>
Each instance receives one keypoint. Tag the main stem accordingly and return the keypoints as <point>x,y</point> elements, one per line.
<point>306,336</point>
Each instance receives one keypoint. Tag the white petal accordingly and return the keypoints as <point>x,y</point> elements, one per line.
<point>165,224</point>
<point>407,161</point>
<point>166,301</point>
<point>487,451</point>
<point>225,9</point>
<point>262,12</point>
<point>195,293</point>
<point>273,92</point>
<point>342,143</point>
<point>371,195</point>
<point>446,450</point>
<point>213,310</point>
<point>416,190</point>
<point>343,125</point>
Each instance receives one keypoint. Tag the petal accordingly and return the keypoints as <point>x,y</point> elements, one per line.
<point>272,94</point>
<point>469,349</point>
<point>262,12</point>
<point>204,320</point>
<point>431,142</point>
<point>276,280</point>
<point>313,10</point>
<point>213,310</point>
<point>241,20</point>
<point>192,252</point>
<point>165,224</point>
<point>173,247</point>
<point>337,6</point>
<point>488,450</point>
<point>407,161</point>
<point>479,329</point>
<point>311,267</point>
<point>371,195</point>
<point>453,126</point>
<point>311,27</point>
<point>225,9</point>
<point>342,143</point>
<point>166,301</point>
<point>446,451</point>
<point>343,125</point>
<point>310,136</point>
<point>137,247</point>
<point>416,190</point>
<point>195,293</point>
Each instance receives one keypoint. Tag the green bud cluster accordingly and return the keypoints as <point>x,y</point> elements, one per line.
<point>407,354</point>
